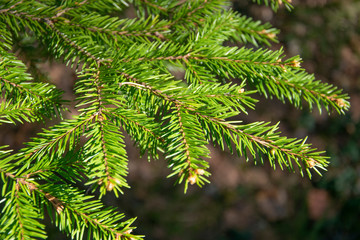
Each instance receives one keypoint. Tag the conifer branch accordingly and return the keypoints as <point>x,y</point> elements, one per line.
<point>72,43</point>
<point>126,119</point>
<point>187,11</point>
<point>49,143</point>
<point>193,71</point>
<point>11,7</point>
<point>65,210</point>
<point>19,225</point>
<point>23,88</point>
<point>297,85</point>
<point>109,166</point>
<point>144,86</point>
<point>152,33</point>
<point>9,113</point>
<point>275,4</point>
<point>105,158</point>
<point>285,150</point>
<point>182,132</point>
<point>43,98</point>
<point>146,2</point>
<point>144,130</point>
<point>201,6</point>
<point>64,10</point>
<point>59,205</point>
<point>262,141</point>
<point>127,81</point>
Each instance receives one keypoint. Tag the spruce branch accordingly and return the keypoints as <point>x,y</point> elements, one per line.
<point>194,12</point>
<point>127,81</point>
<point>106,159</point>
<point>8,8</point>
<point>66,8</point>
<point>21,91</point>
<point>88,213</point>
<point>53,142</point>
<point>143,130</point>
<point>264,69</point>
<point>230,25</point>
<point>70,205</point>
<point>275,4</point>
<point>261,139</point>
<point>21,212</point>
<point>285,150</point>
<point>196,74</point>
<point>282,79</point>
<point>151,5</point>
<point>254,32</point>
<point>118,31</point>
<point>260,142</point>
<point>185,147</point>
<point>105,7</point>
<point>10,113</point>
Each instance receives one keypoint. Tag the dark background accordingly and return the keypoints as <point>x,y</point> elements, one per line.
<point>245,201</point>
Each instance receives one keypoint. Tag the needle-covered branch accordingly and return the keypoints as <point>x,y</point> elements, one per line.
<point>165,77</point>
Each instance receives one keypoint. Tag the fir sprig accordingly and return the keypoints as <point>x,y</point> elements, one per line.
<point>164,77</point>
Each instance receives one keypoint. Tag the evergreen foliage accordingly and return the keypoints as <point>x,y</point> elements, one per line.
<point>126,82</point>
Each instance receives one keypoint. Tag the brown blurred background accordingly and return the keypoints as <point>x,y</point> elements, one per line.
<point>244,201</point>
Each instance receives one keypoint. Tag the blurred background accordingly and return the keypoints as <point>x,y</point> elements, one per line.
<point>244,201</point>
